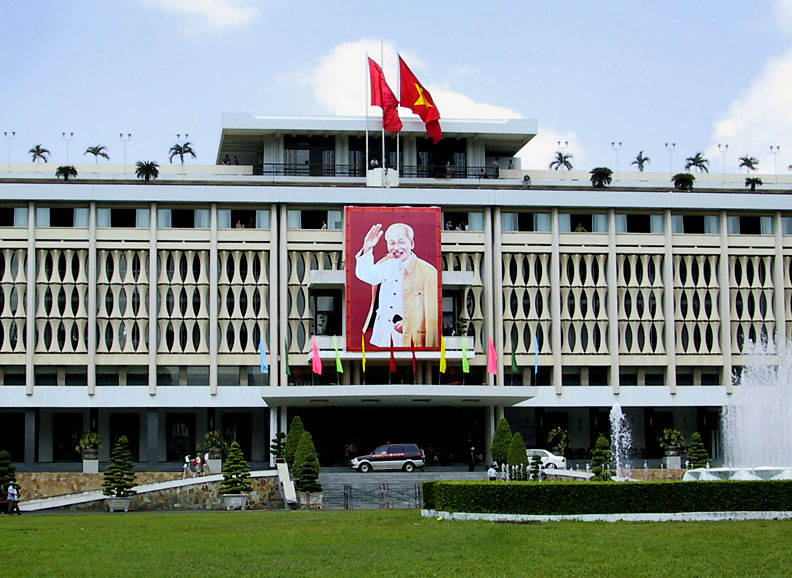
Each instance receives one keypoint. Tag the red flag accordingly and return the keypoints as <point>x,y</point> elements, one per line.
<point>382,96</point>
<point>412,350</point>
<point>415,97</point>
<point>392,358</point>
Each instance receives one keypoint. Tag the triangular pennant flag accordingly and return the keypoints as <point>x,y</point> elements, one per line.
<point>316,361</point>
<point>514,367</point>
<point>442,355</point>
<point>392,358</point>
<point>465,362</point>
<point>536,355</point>
<point>363,350</point>
<point>339,365</point>
<point>286,360</point>
<point>263,355</point>
<point>414,361</point>
<point>492,358</point>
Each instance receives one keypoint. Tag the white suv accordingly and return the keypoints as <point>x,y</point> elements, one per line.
<point>549,460</point>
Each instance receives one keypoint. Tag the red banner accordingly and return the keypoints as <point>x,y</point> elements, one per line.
<point>393,277</point>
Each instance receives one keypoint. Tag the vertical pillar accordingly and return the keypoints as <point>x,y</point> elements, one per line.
<point>152,301</point>
<point>274,283</point>
<point>282,420</point>
<point>31,423</point>
<point>283,291</point>
<point>669,315</point>
<point>213,296</point>
<point>497,289</point>
<point>152,438</point>
<point>779,305</point>
<point>490,286</point>
<point>30,301</point>
<point>489,432</point>
<point>724,281</point>
<point>555,303</point>
<point>273,430</point>
<point>92,277</point>
<point>613,303</point>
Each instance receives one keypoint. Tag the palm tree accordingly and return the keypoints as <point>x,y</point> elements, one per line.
<point>752,182</point>
<point>147,170</point>
<point>98,151</point>
<point>600,177</point>
<point>683,181</point>
<point>561,160</point>
<point>66,172</point>
<point>641,160</point>
<point>38,152</point>
<point>750,163</point>
<point>697,162</point>
<point>179,150</point>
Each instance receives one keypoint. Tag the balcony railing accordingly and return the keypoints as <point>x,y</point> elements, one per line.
<point>405,171</point>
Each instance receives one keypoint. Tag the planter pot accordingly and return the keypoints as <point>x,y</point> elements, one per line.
<point>118,504</point>
<point>235,501</point>
<point>671,451</point>
<point>311,501</point>
<point>215,454</point>
<point>90,454</point>
<point>90,466</point>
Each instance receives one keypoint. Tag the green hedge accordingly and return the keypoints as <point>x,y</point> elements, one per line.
<point>560,498</point>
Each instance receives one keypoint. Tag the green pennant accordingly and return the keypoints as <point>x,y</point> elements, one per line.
<point>288,369</point>
<point>465,362</point>
<point>514,367</point>
<point>339,365</point>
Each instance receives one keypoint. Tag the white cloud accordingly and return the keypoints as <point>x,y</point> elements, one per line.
<point>213,13</point>
<point>759,117</point>
<point>538,153</point>
<point>339,83</point>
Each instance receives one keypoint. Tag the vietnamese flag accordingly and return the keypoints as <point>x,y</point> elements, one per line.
<point>414,361</point>
<point>382,96</point>
<point>415,97</point>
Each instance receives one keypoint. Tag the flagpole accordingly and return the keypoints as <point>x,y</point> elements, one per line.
<point>365,103</point>
<point>384,170</point>
<point>398,98</point>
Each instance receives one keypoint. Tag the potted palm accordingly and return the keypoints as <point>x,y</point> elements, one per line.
<point>119,478</point>
<point>89,445</point>
<point>672,441</point>
<point>216,446</point>
<point>236,483</point>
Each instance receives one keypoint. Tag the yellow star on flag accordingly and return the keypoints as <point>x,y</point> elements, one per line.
<point>421,100</point>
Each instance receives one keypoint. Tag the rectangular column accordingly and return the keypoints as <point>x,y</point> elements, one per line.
<point>282,288</point>
<point>555,304</point>
<point>490,287</point>
<point>497,290</point>
<point>724,278</point>
<point>273,431</point>
<point>778,280</point>
<point>613,303</point>
<point>152,438</point>
<point>152,301</point>
<point>213,296</point>
<point>274,283</point>
<point>668,304</point>
<point>30,301</point>
<point>31,423</point>
<point>92,276</point>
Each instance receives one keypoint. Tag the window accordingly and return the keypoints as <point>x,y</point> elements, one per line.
<point>639,223</point>
<point>183,218</point>
<point>750,225</point>
<point>328,311</point>
<point>786,225</point>
<point>463,221</point>
<point>137,375</point>
<point>695,224</point>
<point>122,218</point>
<point>315,219</point>
<point>14,375</point>
<point>66,217</point>
<point>529,222</point>
<point>13,216</point>
<point>583,222</point>
<point>243,219</point>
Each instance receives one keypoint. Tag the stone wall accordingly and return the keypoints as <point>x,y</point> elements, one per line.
<point>46,484</point>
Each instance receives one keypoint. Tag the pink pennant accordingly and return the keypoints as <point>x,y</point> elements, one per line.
<point>316,361</point>
<point>492,358</point>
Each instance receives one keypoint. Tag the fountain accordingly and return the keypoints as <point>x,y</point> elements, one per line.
<point>757,422</point>
<point>621,442</point>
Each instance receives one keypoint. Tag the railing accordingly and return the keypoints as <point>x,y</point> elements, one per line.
<point>405,171</point>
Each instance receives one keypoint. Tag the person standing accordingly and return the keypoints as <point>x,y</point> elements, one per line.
<point>13,498</point>
<point>492,473</point>
<point>472,459</point>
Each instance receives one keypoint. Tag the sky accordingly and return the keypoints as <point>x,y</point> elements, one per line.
<point>696,74</point>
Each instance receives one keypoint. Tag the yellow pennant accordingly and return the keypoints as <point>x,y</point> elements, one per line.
<point>363,349</point>
<point>442,355</point>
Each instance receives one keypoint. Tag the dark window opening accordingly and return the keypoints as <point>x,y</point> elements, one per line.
<point>750,225</point>
<point>654,378</point>
<point>628,378</point>
<point>710,378</point>
<point>639,224</point>
<point>61,217</point>
<point>243,219</point>
<point>309,156</point>
<point>14,375</point>
<point>105,378</point>
<point>581,223</point>
<point>455,220</point>
<point>66,431</point>
<point>182,218</point>
<point>179,436</point>
<point>6,216</point>
<point>313,219</point>
<point>126,218</point>
<point>327,305</point>
<point>684,376</point>
<point>693,224</point>
<point>570,376</point>
<point>598,375</point>
<point>454,321</point>
<point>12,432</point>
<point>126,424</point>
<point>137,376</point>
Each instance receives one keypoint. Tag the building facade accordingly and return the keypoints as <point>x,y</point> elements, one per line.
<point>137,309</point>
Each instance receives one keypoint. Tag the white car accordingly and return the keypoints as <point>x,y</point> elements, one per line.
<point>549,459</point>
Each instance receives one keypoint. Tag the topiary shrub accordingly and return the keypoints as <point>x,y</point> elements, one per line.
<point>304,449</point>
<point>278,445</point>
<point>236,473</point>
<point>601,459</point>
<point>697,453</point>
<point>7,472</point>
<point>309,475</point>
<point>296,430</point>
<point>119,477</point>
<point>536,467</point>
<point>517,455</point>
<point>501,442</point>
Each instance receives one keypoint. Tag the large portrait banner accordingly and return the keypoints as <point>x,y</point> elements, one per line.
<point>393,277</point>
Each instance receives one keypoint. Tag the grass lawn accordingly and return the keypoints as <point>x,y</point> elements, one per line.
<point>381,543</point>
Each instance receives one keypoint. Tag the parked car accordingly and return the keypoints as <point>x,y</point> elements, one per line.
<point>405,457</point>
<point>549,459</point>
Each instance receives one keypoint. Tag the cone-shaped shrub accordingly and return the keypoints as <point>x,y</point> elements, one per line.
<point>296,430</point>
<point>236,473</point>
<point>309,475</point>
<point>697,453</point>
<point>304,449</point>
<point>601,459</point>
<point>536,466</point>
<point>501,441</point>
<point>517,454</point>
<point>278,445</point>
<point>119,477</point>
